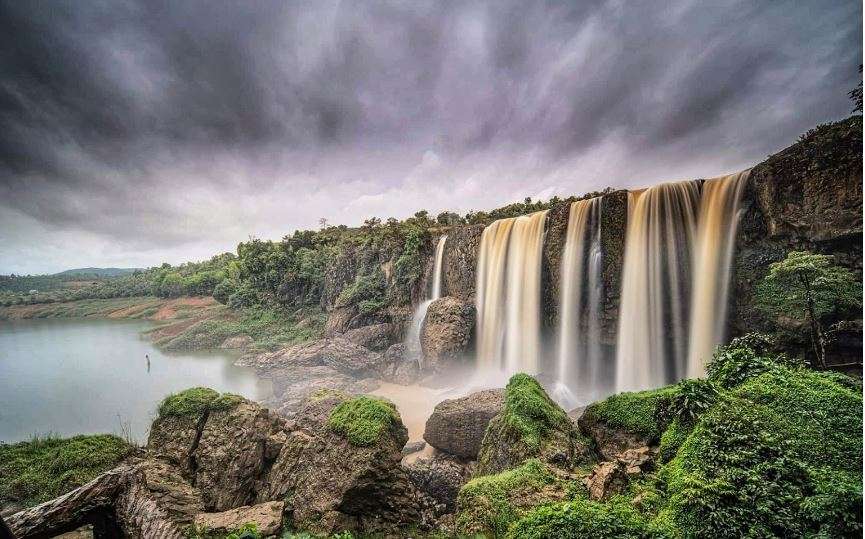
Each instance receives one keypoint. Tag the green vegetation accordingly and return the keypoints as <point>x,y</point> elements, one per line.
<point>363,420</point>
<point>493,502</point>
<point>530,412</point>
<point>642,413</point>
<point>808,290</point>
<point>581,519</point>
<point>763,448</point>
<point>44,468</point>
<point>247,531</point>
<point>195,401</point>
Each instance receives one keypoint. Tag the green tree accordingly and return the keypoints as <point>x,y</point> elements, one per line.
<point>810,289</point>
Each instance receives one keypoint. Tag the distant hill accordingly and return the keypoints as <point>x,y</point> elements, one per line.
<point>99,272</point>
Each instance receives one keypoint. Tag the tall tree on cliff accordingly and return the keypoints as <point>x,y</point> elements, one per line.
<point>808,289</point>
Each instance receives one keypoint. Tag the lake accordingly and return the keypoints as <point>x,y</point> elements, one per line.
<point>82,376</point>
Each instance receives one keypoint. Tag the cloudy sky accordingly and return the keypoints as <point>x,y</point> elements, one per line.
<point>136,132</point>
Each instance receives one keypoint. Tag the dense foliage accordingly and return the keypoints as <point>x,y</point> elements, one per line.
<point>764,448</point>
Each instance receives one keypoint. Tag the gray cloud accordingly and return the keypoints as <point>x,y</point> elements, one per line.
<point>147,130</point>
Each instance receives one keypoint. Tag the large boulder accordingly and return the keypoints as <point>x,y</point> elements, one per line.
<point>339,468</point>
<point>267,518</point>
<point>457,426</point>
<point>292,385</point>
<point>531,425</point>
<point>447,331</point>
<point>375,337</point>
<point>401,368</point>
<point>440,476</point>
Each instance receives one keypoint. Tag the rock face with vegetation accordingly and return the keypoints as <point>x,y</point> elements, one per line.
<point>530,425</point>
<point>807,197</point>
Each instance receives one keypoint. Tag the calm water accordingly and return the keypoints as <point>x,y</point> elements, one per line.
<point>87,376</point>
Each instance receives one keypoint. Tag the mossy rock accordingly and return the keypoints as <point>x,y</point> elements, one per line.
<point>193,402</point>
<point>530,425</point>
<point>490,504</point>
<point>364,420</point>
<point>627,420</point>
<point>780,455</point>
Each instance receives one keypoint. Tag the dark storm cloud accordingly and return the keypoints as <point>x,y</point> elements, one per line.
<point>184,126</point>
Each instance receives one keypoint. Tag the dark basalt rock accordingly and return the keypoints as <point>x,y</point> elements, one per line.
<point>447,332</point>
<point>460,261</point>
<point>457,426</point>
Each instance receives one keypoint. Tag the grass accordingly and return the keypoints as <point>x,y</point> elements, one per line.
<point>195,401</point>
<point>581,519</point>
<point>44,468</point>
<point>364,419</point>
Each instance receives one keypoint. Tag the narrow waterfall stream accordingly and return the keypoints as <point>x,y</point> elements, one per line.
<point>716,238</point>
<point>578,368</point>
<point>412,341</point>
<point>509,294</point>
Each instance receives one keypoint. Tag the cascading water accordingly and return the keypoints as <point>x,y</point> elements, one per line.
<point>716,238</point>
<point>579,352</point>
<point>651,339</point>
<point>678,253</point>
<point>509,294</point>
<point>413,337</point>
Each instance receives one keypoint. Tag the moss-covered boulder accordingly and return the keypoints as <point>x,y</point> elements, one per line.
<point>627,420</point>
<point>488,505</point>
<point>530,425</point>
<point>780,455</point>
<point>582,519</point>
<point>365,420</point>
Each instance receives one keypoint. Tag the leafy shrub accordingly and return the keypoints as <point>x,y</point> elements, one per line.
<point>780,455</point>
<point>363,420</point>
<point>691,399</point>
<point>224,290</point>
<point>581,519</point>
<point>744,358</point>
<point>243,296</point>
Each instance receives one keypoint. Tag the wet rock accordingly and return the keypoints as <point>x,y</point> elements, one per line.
<point>637,461</point>
<point>376,337</point>
<point>457,426</point>
<point>267,518</point>
<point>447,331</point>
<point>294,384</point>
<point>610,441</point>
<point>459,262</point>
<point>337,353</point>
<point>401,369</point>
<point>413,447</point>
<point>440,476</point>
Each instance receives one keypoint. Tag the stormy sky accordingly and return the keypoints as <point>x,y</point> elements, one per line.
<point>136,132</point>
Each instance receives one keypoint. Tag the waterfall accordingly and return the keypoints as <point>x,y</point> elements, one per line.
<point>413,338</point>
<point>716,237</point>
<point>678,250</point>
<point>579,353</point>
<point>509,294</point>
<point>652,312</point>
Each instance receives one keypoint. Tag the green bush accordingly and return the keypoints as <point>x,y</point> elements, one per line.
<point>780,455</point>
<point>364,419</point>
<point>224,290</point>
<point>581,519</point>
<point>744,358</point>
<point>691,399</point>
<point>44,468</point>
<point>243,296</point>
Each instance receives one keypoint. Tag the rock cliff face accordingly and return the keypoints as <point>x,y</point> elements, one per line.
<point>806,197</point>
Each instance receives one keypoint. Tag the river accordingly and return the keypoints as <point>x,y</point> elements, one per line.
<point>81,376</point>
